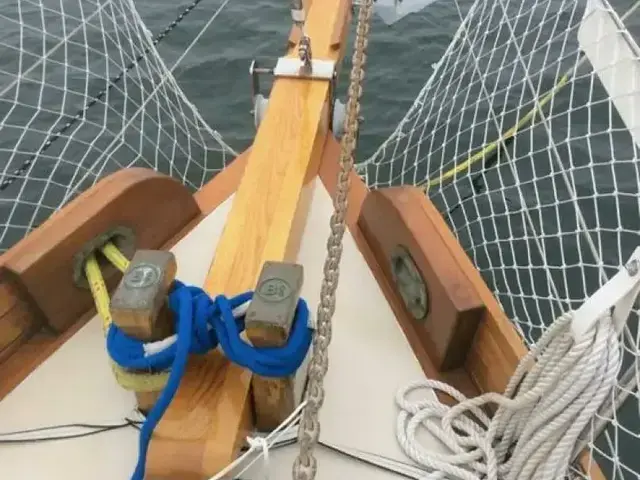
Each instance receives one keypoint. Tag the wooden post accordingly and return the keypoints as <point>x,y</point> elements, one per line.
<point>206,424</point>
<point>268,322</point>
<point>139,306</point>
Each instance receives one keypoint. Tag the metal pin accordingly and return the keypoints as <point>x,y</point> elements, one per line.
<point>304,52</point>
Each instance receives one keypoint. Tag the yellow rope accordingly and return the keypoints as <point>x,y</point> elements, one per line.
<point>115,256</point>
<point>136,381</point>
<point>480,155</point>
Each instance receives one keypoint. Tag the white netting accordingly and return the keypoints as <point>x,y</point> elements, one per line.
<point>553,211</point>
<point>83,93</point>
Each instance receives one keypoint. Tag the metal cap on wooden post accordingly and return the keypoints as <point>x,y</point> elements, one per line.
<point>268,322</point>
<point>139,307</point>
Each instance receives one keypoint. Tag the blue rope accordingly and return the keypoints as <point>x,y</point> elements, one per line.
<point>202,324</point>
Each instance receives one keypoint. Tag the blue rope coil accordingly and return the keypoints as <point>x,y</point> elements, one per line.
<point>201,325</point>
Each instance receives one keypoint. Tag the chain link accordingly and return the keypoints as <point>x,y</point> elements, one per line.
<point>305,465</point>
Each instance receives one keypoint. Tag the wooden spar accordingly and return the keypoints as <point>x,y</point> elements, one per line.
<point>205,425</point>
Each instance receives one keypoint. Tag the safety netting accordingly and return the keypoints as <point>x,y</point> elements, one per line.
<point>525,137</point>
<point>84,93</point>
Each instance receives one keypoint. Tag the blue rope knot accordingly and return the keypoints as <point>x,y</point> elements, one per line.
<point>201,325</point>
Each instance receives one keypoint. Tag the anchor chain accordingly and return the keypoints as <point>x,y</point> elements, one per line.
<point>305,465</point>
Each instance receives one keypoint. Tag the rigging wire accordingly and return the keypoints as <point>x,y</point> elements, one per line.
<point>22,170</point>
<point>94,429</point>
<point>383,463</point>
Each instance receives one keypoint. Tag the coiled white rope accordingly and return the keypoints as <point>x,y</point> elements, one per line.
<point>555,392</point>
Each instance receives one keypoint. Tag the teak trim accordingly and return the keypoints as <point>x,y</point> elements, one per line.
<point>196,437</point>
<point>495,350</point>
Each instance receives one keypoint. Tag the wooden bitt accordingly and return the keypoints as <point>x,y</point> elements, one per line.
<point>268,322</point>
<point>206,424</point>
<point>488,346</point>
<point>443,303</point>
<point>142,208</point>
<point>139,307</point>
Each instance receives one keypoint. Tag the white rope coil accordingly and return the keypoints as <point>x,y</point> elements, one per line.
<point>555,392</point>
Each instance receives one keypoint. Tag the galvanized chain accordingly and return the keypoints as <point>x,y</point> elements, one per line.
<point>305,465</point>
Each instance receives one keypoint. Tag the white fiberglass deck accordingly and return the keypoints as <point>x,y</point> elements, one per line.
<point>369,360</point>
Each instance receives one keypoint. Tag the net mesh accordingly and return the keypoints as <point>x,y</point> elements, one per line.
<point>84,93</point>
<point>546,214</point>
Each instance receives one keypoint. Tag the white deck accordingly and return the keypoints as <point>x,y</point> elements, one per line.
<point>369,360</point>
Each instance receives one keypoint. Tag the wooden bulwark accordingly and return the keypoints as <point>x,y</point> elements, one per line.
<point>197,437</point>
<point>150,205</point>
<point>491,348</point>
<point>454,308</point>
<point>40,304</point>
<point>17,320</point>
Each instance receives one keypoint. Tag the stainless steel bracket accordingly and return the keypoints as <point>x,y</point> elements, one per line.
<point>291,67</point>
<point>294,68</point>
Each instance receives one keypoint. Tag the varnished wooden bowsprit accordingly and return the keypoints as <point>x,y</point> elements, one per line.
<point>205,425</point>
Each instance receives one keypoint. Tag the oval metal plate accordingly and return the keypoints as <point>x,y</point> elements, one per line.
<point>409,283</point>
